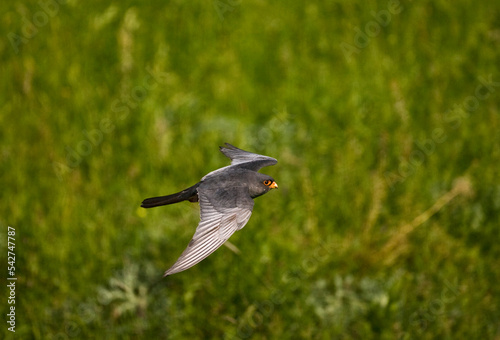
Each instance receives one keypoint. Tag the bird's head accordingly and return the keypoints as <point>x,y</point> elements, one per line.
<point>261,184</point>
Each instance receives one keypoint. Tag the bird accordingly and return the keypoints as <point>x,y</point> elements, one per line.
<point>226,202</point>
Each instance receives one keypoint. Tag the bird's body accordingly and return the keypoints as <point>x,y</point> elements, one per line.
<point>226,202</point>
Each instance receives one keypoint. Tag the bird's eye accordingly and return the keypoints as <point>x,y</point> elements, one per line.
<point>267,182</point>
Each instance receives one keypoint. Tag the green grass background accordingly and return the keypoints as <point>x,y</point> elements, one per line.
<point>370,235</point>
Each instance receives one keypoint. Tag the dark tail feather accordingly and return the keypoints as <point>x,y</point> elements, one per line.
<point>190,194</point>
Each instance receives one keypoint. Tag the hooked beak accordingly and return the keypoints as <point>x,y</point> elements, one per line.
<point>274,185</point>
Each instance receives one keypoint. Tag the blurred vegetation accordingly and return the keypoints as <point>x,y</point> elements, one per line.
<point>384,118</point>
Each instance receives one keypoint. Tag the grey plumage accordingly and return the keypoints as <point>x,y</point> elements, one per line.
<point>226,202</point>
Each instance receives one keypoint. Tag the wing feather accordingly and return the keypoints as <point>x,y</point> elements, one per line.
<point>254,160</point>
<point>218,222</point>
<point>243,159</point>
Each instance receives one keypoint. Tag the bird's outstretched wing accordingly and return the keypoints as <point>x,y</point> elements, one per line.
<point>222,212</point>
<point>248,160</point>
